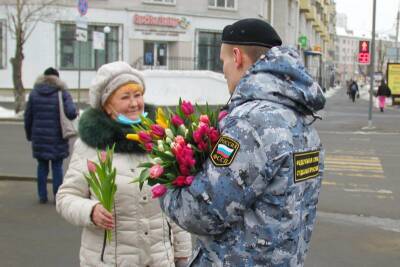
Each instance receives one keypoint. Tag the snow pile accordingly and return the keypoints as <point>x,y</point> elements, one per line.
<point>164,87</point>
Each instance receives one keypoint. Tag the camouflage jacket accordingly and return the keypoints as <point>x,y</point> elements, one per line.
<point>254,204</point>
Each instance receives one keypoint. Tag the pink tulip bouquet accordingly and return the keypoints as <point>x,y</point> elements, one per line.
<point>101,179</point>
<point>178,144</point>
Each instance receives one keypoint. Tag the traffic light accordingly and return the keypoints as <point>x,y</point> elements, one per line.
<point>363,52</point>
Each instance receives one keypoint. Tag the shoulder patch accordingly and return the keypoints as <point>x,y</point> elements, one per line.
<point>306,165</point>
<point>224,152</point>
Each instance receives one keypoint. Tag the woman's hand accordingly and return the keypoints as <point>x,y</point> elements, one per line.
<point>102,218</point>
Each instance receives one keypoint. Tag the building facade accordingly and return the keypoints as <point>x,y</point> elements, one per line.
<point>347,49</point>
<point>156,34</point>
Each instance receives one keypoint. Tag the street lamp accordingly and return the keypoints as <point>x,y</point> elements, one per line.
<point>106,31</point>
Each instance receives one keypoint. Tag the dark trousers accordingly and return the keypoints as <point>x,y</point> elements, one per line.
<point>43,172</point>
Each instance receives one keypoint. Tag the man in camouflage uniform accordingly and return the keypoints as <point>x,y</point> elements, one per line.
<point>254,204</point>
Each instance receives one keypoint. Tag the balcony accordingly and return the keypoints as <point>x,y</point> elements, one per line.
<point>305,5</point>
<point>312,14</point>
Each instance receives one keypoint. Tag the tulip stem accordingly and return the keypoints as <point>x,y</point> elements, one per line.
<point>104,245</point>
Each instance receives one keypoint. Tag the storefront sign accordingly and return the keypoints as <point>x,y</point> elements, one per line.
<point>393,81</point>
<point>162,21</point>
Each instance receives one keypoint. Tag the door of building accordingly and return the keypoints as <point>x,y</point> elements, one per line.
<point>155,55</point>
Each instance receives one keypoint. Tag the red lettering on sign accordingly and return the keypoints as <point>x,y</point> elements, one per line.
<point>156,21</point>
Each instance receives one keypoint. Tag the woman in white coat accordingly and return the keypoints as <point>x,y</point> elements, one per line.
<point>141,234</point>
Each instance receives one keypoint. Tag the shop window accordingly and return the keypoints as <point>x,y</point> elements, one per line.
<point>2,45</point>
<point>90,59</point>
<point>209,48</point>
<point>228,4</point>
<point>155,54</point>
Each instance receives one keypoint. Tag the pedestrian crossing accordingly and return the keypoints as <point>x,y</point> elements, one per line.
<point>354,166</point>
<point>355,173</point>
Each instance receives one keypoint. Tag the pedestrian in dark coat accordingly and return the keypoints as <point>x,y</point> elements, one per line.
<point>382,93</point>
<point>43,128</point>
<point>353,89</point>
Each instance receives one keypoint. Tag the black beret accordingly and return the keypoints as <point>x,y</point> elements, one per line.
<point>255,32</point>
<point>51,71</point>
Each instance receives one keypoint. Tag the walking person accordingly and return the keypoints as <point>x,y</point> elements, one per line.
<point>141,233</point>
<point>353,89</point>
<point>382,93</point>
<point>43,129</point>
<point>257,206</point>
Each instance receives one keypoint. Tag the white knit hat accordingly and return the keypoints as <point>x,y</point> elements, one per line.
<point>109,78</point>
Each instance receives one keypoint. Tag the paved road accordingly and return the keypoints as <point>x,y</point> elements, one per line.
<point>358,222</point>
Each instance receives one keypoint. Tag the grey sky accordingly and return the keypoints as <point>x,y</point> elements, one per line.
<point>359,14</point>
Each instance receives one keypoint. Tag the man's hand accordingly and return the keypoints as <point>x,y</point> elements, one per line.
<point>102,218</point>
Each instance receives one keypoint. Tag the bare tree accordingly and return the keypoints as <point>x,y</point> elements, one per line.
<point>23,16</point>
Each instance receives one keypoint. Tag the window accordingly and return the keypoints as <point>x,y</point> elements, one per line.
<point>209,50</point>
<point>2,45</point>
<point>228,4</point>
<point>90,59</point>
<point>155,54</point>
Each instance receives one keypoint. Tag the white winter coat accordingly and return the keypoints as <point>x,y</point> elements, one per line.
<point>142,234</point>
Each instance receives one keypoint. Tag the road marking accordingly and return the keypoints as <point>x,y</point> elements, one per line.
<point>362,190</point>
<point>359,132</point>
<point>387,224</point>
<point>354,166</point>
<point>377,176</point>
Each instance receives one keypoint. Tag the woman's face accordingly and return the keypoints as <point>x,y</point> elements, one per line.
<point>126,101</point>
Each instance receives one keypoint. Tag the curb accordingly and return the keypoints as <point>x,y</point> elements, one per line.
<point>21,178</point>
<point>14,120</point>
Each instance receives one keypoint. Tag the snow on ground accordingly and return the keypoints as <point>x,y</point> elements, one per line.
<point>7,113</point>
<point>332,91</point>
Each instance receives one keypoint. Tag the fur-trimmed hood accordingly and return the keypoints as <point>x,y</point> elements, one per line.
<point>47,84</point>
<point>98,131</point>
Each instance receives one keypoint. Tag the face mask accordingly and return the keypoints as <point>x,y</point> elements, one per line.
<point>126,121</point>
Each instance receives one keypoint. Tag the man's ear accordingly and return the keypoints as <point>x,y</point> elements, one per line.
<point>237,57</point>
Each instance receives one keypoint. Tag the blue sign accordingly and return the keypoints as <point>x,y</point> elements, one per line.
<point>83,7</point>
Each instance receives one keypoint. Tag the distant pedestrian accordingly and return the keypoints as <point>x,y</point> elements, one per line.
<point>382,93</point>
<point>43,129</point>
<point>353,90</point>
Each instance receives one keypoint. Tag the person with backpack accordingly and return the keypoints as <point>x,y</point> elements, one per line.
<point>353,90</point>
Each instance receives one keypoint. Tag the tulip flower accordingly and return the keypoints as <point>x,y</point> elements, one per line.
<point>187,108</point>
<point>158,190</point>
<point>168,140</point>
<point>189,180</point>
<point>157,130</point>
<point>169,133</point>
<point>156,171</point>
<point>148,147</point>
<point>145,137</point>
<point>222,115</point>
<point>176,120</point>
<point>103,156</point>
<point>160,145</point>
<point>158,160</point>
<point>204,119</point>
<point>179,181</point>
<point>160,118</point>
<point>91,166</point>
<point>133,137</point>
